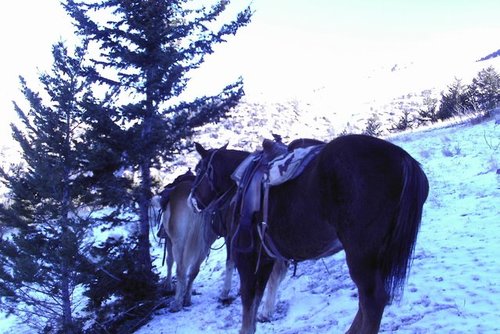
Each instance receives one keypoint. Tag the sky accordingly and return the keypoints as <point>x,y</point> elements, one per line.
<point>290,49</point>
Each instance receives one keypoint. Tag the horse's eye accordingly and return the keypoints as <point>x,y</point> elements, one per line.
<point>210,172</point>
<point>200,167</point>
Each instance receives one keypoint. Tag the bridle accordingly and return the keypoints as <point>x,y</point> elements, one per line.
<point>209,175</point>
<point>221,200</point>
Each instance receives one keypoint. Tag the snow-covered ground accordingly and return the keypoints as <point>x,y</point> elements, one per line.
<point>454,282</point>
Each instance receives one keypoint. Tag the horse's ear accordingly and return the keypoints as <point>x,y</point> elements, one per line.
<point>224,147</point>
<point>200,149</point>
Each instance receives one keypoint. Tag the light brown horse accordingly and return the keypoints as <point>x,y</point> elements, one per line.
<point>191,237</point>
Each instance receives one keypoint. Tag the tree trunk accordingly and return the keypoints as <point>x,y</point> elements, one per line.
<point>144,199</point>
<point>67,317</point>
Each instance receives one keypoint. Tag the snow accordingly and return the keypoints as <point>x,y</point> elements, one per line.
<point>453,285</point>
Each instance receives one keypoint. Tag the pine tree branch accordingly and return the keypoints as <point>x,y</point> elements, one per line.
<point>27,295</point>
<point>46,306</point>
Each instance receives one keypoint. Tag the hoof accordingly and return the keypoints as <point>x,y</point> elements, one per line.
<point>167,288</point>
<point>264,318</point>
<point>175,307</point>
<point>226,301</point>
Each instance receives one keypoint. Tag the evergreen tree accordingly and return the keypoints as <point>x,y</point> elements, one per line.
<point>407,118</point>
<point>429,110</point>
<point>486,88</point>
<point>373,126</point>
<point>456,101</point>
<point>43,254</point>
<point>404,122</point>
<point>147,49</point>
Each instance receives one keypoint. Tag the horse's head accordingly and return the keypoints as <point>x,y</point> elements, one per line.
<point>213,174</point>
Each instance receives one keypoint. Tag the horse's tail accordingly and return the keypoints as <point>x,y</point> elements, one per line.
<point>395,257</point>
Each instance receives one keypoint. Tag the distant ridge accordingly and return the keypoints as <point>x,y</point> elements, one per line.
<point>490,56</point>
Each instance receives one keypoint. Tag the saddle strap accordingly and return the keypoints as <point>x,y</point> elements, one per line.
<point>268,245</point>
<point>265,204</point>
<point>265,240</point>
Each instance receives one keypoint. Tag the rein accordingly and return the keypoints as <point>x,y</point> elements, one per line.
<point>221,203</point>
<point>158,222</point>
<point>157,218</point>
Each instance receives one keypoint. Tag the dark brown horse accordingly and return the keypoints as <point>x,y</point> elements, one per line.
<point>360,194</point>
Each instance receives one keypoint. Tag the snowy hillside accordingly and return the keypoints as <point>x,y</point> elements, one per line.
<point>453,286</point>
<point>454,283</point>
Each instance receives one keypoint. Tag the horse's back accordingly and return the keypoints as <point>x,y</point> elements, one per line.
<point>360,165</point>
<point>356,149</point>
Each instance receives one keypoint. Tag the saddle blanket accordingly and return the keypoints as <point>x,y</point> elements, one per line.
<point>290,165</point>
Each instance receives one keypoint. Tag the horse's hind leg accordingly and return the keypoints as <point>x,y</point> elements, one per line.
<point>277,276</point>
<point>189,287</point>
<point>193,272</point>
<point>372,296</point>
<point>181,274</point>
<point>228,276</point>
<point>170,263</point>
<point>165,218</point>
<point>180,289</point>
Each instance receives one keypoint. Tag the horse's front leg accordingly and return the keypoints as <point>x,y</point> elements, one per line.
<point>170,263</point>
<point>277,275</point>
<point>252,285</point>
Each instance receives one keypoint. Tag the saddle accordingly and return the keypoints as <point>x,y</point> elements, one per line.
<point>276,164</point>
<point>165,198</point>
<point>165,193</point>
<point>288,166</point>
